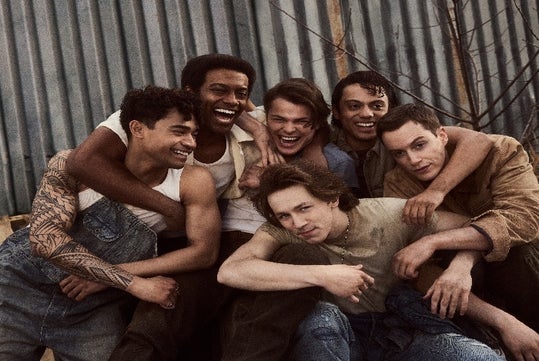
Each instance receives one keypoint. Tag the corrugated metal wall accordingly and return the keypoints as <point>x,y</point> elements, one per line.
<point>65,64</point>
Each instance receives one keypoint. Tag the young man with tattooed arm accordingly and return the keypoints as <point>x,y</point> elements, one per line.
<point>63,280</point>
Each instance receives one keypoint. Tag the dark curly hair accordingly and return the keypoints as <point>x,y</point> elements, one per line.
<point>320,182</point>
<point>370,80</point>
<point>152,103</point>
<point>303,92</point>
<point>195,70</point>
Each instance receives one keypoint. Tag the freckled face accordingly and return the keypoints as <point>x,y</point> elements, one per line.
<point>417,150</point>
<point>308,217</point>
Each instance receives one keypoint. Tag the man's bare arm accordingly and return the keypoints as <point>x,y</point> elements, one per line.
<point>203,227</point>
<point>263,141</point>
<point>452,233</point>
<point>521,340</point>
<point>471,148</point>
<point>249,268</point>
<point>53,212</point>
<point>98,164</point>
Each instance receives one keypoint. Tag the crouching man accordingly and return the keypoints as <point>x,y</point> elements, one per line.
<point>307,204</point>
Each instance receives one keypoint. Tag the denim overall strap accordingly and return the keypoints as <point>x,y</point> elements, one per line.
<point>39,314</point>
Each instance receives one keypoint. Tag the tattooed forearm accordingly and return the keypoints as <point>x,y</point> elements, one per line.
<point>54,208</point>
<point>76,260</point>
<point>53,212</point>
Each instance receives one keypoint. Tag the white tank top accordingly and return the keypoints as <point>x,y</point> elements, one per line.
<point>170,187</point>
<point>222,170</point>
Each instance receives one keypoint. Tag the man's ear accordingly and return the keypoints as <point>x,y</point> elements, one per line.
<point>136,128</point>
<point>334,203</point>
<point>442,134</point>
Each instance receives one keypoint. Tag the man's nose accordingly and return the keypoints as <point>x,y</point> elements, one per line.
<point>414,158</point>
<point>299,222</point>
<point>231,98</point>
<point>365,112</point>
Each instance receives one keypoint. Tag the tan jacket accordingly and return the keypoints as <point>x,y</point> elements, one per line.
<point>501,196</point>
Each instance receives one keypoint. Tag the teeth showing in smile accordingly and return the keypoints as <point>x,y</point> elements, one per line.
<point>365,125</point>
<point>289,139</point>
<point>225,111</point>
<point>180,152</point>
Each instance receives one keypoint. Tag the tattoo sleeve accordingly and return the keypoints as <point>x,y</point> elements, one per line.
<point>54,210</point>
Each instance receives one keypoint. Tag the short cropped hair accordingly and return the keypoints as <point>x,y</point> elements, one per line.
<point>320,182</point>
<point>152,103</point>
<point>367,79</point>
<point>195,70</point>
<point>402,114</point>
<point>302,92</point>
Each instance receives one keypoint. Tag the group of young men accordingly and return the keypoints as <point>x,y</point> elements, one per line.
<point>279,261</point>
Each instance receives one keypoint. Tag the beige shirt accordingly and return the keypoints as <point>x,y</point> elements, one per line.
<point>376,233</point>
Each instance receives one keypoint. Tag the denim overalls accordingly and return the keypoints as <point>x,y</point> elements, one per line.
<point>34,313</point>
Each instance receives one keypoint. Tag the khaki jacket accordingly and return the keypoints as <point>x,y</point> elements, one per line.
<point>501,196</point>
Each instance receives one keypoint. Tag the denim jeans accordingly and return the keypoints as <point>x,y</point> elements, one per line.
<point>34,313</point>
<point>406,332</point>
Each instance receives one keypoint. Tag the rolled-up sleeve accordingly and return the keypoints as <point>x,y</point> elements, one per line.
<point>514,216</point>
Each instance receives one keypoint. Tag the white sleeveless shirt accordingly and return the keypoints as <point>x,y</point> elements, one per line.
<point>170,187</point>
<point>222,170</point>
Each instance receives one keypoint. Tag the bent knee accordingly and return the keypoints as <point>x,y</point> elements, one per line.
<point>325,322</point>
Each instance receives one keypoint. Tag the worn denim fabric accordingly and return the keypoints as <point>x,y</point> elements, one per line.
<point>34,313</point>
<point>326,334</point>
<point>406,332</point>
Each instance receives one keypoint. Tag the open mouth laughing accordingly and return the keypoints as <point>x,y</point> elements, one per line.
<point>224,115</point>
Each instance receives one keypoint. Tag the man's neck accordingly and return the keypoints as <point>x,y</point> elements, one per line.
<point>340,224</point>
<point>210,146</point>
<point>143,168</point>
<point>359,145</point>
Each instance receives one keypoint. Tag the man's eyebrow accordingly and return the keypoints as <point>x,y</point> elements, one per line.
<point>415,140</point>
<point>182,127</point>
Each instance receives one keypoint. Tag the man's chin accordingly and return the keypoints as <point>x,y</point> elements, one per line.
<point>222,127</point>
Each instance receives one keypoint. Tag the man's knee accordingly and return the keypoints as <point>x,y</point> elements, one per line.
<point>325,322</point>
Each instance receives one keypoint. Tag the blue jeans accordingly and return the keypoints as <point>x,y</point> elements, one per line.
<point>34,313</point>
<point>406,332</point>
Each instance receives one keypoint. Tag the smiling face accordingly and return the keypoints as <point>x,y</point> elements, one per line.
<point>358,111</point>
<point>417,150</point>
<point>169,142</point>
<point>308,217</point>
<point>224,96</point>
<point>290,126</point>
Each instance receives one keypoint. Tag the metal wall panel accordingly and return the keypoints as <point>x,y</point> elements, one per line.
<point>66,64</point>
